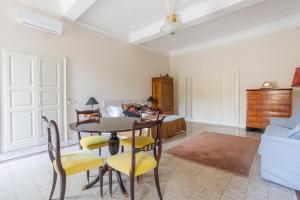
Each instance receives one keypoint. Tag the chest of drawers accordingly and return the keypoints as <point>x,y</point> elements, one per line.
<point>262,104</point>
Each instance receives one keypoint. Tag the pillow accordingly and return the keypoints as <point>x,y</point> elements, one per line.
<point>126,106</point>
<point>295,133</point>
<point>114,111</point>
<point>132,112</point>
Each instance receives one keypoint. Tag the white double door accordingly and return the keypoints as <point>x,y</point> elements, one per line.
<point>222,98</point>
<point>33,86</point>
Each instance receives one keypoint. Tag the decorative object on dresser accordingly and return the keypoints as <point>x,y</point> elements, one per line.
<point>267,85</point>
<point>262,104</point>
<point>162,92</point>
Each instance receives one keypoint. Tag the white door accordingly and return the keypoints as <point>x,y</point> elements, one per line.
<point>188,97</point>
<point>51,92</point>
<point>229,98</point>
<point>222,99</point>
<point>213,100</point>
<point>20,88</point>
<point>33,86</point>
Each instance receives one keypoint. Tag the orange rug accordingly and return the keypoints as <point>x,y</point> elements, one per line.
<point>231,153</point>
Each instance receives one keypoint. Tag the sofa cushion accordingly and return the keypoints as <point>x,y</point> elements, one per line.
<point>295,132</point>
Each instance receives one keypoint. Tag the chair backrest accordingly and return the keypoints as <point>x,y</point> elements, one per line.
<point>54,149</point>
<point>95,116</point>
<point>156,147</point>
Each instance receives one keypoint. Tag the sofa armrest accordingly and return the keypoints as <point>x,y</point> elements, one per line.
<point>287,122</point>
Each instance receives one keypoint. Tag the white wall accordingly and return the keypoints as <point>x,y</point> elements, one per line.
<point>97,65</point>
<point>272,57</point>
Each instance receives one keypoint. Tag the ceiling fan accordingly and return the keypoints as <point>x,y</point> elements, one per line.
<point>173,22</point>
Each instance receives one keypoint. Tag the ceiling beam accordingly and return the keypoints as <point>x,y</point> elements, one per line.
<point>192,14</point>
<point>77,9</point>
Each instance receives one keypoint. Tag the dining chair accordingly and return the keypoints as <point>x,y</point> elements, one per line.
<point>140,140</point>
<point>70,163</point>
<point>138,161</point>
<point>93,141</point>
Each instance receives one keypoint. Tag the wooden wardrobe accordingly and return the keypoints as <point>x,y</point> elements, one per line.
<point>262,104</point>
<point>162,92</point>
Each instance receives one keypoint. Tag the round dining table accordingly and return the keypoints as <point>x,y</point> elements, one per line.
<point>113,125</point>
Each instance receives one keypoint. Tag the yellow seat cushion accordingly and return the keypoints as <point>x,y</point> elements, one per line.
<point>144,162</point>
<point>79,161</point>
<point>140,141</point>
<point>93,142</point>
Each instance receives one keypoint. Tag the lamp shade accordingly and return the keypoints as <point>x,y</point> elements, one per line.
<point>150,99</point>
<point>296,79</point>
<point>92,101</point>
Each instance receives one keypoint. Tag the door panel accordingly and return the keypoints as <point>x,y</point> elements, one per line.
<point>20,69</point>
<point>50,114</point>
<point>50,72</point>
<point>50,99</point>
<point>167,88</point>
<point>22,126</point>
<point>20,98</point>
<point>188,97</point>
<point>213,100</point>
<point>229,98</point>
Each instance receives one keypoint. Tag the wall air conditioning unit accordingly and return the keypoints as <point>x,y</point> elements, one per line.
<point>40,22</point>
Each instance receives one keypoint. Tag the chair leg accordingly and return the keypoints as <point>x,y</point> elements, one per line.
<point>131,187</point>
<point>88,176</point>
<point>110,180</point>
<point>62,186</point>
<point>99,151</point>
<point>53,184</point>
<point>101,180</point>
<point>122,149</point>
<point>157,182</point>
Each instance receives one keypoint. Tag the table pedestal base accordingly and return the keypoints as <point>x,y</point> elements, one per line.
<point>113,146</point>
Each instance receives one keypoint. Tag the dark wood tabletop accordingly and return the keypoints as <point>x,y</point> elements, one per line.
<point>110,124</point>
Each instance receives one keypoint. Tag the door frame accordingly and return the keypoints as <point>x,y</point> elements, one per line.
<point>3,49</point>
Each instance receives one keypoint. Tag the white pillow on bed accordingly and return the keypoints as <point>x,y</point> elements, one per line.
<point>115,111</point>
<point>295,132</point>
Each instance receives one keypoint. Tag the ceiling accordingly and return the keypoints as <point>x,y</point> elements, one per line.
<point>207,22</point>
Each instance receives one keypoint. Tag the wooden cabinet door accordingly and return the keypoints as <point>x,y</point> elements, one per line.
<point>167,96</point>
<point>156,93</point>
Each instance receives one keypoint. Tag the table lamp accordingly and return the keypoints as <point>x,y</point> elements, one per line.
<point>150,100</point>
<point>296,79</point>
<point>91,102</point>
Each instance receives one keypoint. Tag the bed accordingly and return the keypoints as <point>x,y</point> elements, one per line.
<point>173,124</point>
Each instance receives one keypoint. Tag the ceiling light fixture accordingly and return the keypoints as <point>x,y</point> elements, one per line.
<point>172,23</point>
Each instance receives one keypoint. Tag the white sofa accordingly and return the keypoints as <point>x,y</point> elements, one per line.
<point>280,155</point>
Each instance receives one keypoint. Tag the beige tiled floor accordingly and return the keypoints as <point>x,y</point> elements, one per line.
<point>31,179</point>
